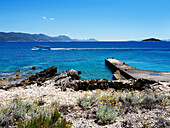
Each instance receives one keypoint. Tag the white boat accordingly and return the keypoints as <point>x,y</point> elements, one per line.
<point>41,48</point>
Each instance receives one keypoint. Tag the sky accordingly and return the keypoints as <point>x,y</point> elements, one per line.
<point>107,20</point>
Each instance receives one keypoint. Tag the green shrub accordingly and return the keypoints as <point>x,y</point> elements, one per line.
<point>30,115</point>
<point>108,99</point>
<point>19,108</point>
<point>129,98</point>
<point>151,100</point>
<point>63,124</point>
<point>106,115</point>
<point>55,104</point>
<point>46,122</point>
<point>16,110</point>
<point>87,102</point>
<point>5,119</point>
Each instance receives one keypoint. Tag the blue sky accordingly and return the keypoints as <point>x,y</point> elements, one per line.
<point>100,19</point>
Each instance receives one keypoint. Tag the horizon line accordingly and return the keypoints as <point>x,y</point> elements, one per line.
<point>136,40</point>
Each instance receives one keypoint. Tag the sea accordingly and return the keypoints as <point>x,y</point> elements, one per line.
<point>87,57</point>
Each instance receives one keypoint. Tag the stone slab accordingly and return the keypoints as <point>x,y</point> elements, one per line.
<point>130,72</point>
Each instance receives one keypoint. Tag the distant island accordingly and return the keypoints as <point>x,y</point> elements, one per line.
<point>25,37</point>
<point>152,40</point>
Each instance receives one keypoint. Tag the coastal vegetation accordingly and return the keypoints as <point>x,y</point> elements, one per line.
<point>64,101</point>
<point>109,105</point>
<point>26,114</point>
<point>112,105</point>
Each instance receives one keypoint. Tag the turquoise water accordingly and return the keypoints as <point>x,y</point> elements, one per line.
<point>90,59</point>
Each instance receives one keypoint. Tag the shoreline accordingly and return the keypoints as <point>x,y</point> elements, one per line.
<point>131,102</point>
<point>120,71</point>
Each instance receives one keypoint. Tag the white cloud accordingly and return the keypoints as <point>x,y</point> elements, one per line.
<point>51,18</point>
<point>44,17</point>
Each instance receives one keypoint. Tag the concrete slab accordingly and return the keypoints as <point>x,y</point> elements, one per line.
<point>130,72</point>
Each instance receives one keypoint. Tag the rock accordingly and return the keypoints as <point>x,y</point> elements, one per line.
<point>74,74</point>
<point>18,76</point>
<point>65,79</point>
<point>143,83</point>
<point>44,75</point>
<point>40,77</point>
<point>103,84</point>
<point>2,79</point>
<point>18,70</point>
<point>34,67</point>
<point>10,79</point>
<point>79,72</point>
<point>71,79</point>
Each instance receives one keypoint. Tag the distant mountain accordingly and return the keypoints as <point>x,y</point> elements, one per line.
<point>25,37</point>
<point>152,40</point>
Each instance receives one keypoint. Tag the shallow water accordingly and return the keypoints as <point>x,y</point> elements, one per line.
<point>88,57</point>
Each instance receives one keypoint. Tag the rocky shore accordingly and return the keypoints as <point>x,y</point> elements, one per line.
<point>136,103</point>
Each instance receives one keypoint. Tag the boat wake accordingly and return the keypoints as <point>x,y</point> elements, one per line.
<point>127,49</point>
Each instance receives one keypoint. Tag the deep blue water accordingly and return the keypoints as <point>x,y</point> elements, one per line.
<point>142,55</point>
